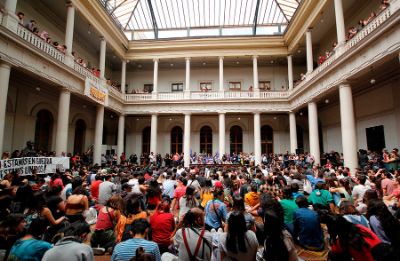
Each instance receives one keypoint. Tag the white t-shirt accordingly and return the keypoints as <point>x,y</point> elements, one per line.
<point>358,192</point>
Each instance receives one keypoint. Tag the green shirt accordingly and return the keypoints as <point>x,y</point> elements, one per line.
<point>322,197</point>
<point>289,206</point>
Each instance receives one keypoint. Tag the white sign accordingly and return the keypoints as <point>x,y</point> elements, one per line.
<point>42,165</point>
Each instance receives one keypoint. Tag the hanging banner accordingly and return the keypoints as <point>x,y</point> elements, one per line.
<point>27,165</point>
<point>96,91</point>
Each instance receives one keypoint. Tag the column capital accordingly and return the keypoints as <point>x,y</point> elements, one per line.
<point>65,90</point>
<point>344,84</point>
<point>309,30</point>
<point>122,114</point>
<point>289,56</point>
<point>187,113</point>
<point>220,57</point>
<point>102,38</point>
<point>68,3</point>
<point>5,65</point>
<point>188,58</point>
<point>254,57</point>
<point>156,59</point>
<point>222,112</point>
<point>257,113</point>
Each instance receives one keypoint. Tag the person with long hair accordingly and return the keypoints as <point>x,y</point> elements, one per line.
<point>238,205</point>
<point>76,205</point>
<point>206,194</point>
<point>278,244</point>
<point>133,211</point>
<point>107,218</point>
<point>188,201</point>
<point>383,223</point>
<point>153,194</point>
<point>193,241</point>
<point>351,214</point>
<point>162,224</point>
<point>238,243</point>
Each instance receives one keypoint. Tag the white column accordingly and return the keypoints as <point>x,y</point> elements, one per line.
<point>102,66</point>
<point>153,133</point>
<point>10,19</point>
<point>120,141</point>
<point>293,132</point>
<point>187,76</point>
<point>63,122</point>
<point>155,76</point>
<point>310,67</point>
<point>98,134</point>
<point>69,31</point>
<point>290,71</point>
<point>221,73</point>
<point>340,28</point>
<point>257,138</point>
<point>255,74</point>
<point>5,70</point>
<point>221,117</point>
<point>123,77</point>
<point>313,131</point>
<point>348,127</point>
<point>186,141</point>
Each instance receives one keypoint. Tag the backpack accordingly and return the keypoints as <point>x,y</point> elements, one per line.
<point>126,235</point>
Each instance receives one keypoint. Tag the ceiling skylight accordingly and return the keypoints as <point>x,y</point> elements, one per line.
<point>153,19</point>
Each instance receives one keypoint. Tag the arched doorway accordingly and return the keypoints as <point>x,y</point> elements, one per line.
<point>206,141</point>
<point>43,130</point>
<point>267,140</point>
<point>236,139</point>
<point>176,140</point>
<point>146,140</point>
<point>80,132</point>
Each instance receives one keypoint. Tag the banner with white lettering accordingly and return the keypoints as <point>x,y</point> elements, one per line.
<point>42,165</point>
<point>97,91</point>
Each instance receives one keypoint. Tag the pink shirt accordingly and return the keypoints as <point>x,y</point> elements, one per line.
<point>388,184</point>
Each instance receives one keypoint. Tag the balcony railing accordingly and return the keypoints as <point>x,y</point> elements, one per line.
<point>40,43</point>
<point>86,72</point>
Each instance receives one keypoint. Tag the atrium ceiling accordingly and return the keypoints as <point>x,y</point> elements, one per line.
<point>154,19</point>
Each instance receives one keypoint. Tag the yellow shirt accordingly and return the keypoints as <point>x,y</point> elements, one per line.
<point>205,197</point>
<point>252,198</point>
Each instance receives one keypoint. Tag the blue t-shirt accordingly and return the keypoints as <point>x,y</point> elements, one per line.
<point>127,249</point>
<point>307,228</point>
<point>28,250</point>
<point>212,219</point>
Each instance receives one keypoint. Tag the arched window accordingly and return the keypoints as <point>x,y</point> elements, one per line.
<point>43,130</point>
<point>206,140</point>
<point>146,140</point>
<point>300,141</point>
<point>236,139</point>
<point>80,131</point>
<point>267,137</point>
<point>176,140</point>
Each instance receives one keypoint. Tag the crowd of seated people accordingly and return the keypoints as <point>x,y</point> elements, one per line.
<point>272,211</point>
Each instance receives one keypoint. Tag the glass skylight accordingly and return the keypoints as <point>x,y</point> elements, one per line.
<point>153,19</point>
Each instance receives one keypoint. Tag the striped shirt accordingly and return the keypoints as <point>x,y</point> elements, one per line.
<point>124,251</point>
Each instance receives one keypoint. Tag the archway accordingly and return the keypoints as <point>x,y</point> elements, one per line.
<point>80,133</point>
<point>176,140</point>
<point>206,141</point>
<point>43,130</point>
<point>236,139</point>
<point>267,139</point>
<point>146,140</point>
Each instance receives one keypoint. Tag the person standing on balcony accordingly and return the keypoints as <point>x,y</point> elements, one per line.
<point>21,17</point>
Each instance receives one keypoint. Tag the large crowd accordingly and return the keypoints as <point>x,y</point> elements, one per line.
<point>228,210</point>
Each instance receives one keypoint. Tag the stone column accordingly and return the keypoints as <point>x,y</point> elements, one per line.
<point>5,70</point>
<point>123,77</point>
<point>63,122</point>
<point>186,141</point>
<point>102,66</point>
<point>348,127</point>
<point>257,138</point>
<point>187,78</point>
<point>10,19</point>
<point>255,77</point>
<point>310,65</point>
<point>221,73</point>
<point>313,131</point>
<point>290,71</point>
<point>153,133</point>
<point>69,30</point>
<point>293,132</point>
<point>98,134</point>
<point>155,76</point>
<point>340,28</point>
<point>221,117</point>
<point>121,132</point>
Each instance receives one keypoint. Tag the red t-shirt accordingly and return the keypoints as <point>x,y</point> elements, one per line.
<point>365,253</point>
<point>162,225</point>
<point>179,192</point>
<point>56,182</point>
<point>105,220</point>
<point>94,189</point>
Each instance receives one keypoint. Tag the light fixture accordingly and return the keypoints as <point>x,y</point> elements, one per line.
<point>172,65</point>
<point>112,116</point>
<point>272,61</point>
<point>237,62</point>
<point>274,118</point>
<point>301,113</point>
<point>139,66</point>
<point>89,32</point>
<point>322,20</point>
<point>137,119</point>
<point>38,89</point>
<point>373,81</point>
<point>84,106</point>
<point>204,63</point>
<point>238,118</point>
<point>326,101</point>
<point>170,119</point>
<point>299,51</point>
